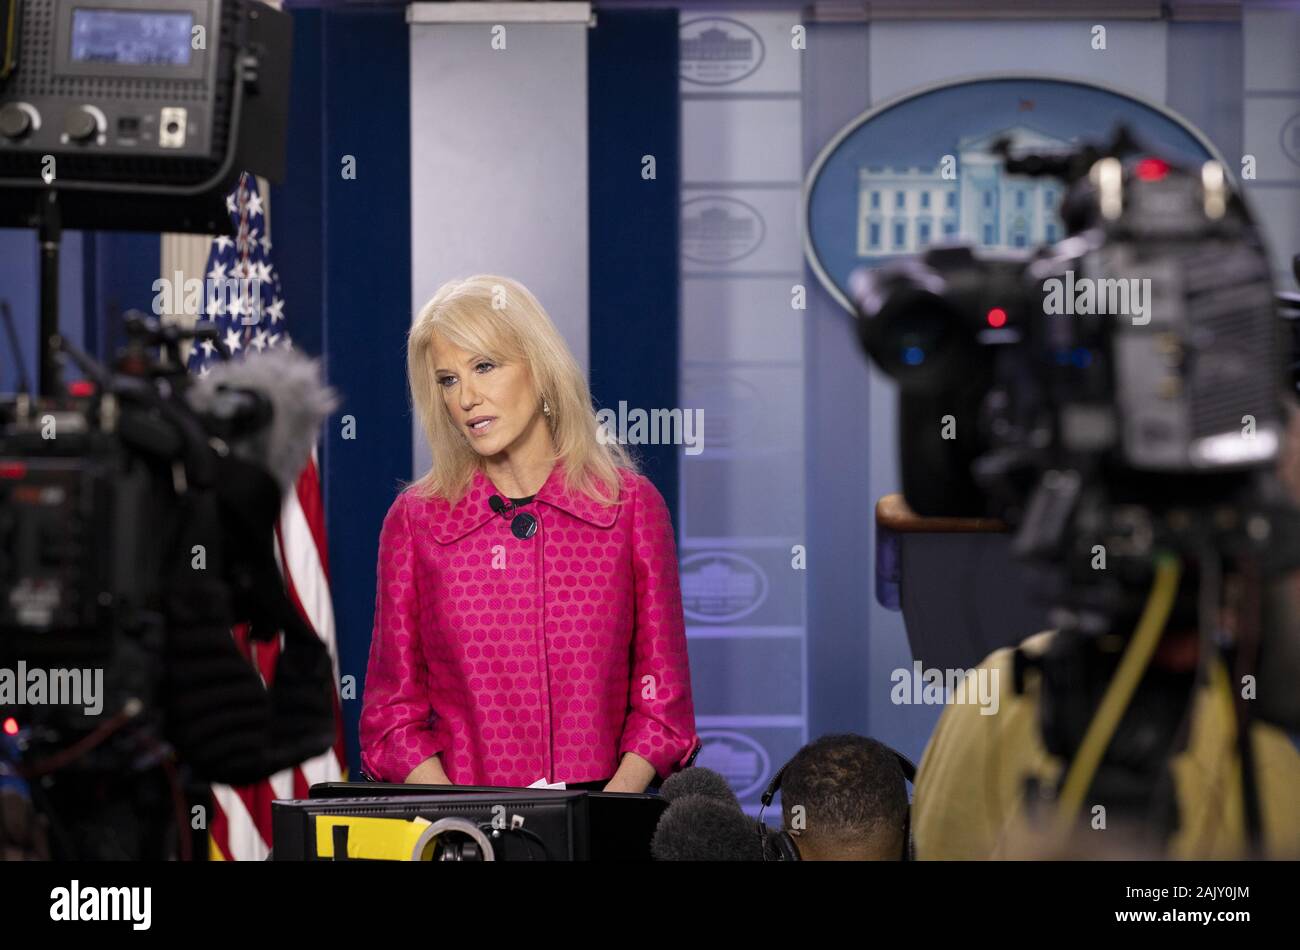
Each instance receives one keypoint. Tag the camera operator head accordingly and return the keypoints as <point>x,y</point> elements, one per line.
<point>843,798</point>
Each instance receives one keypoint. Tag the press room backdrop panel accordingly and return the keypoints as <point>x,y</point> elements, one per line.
<point>499,165</point>
<point>743,496</point>
<point>1271,120</point>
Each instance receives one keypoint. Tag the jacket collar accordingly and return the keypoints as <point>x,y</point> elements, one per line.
<point>474,509</point>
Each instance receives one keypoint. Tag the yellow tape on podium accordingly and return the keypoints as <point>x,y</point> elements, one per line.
<point>362,838</point>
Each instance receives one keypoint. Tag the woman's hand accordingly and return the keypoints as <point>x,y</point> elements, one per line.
<point>634,775</point>
<point>428,772</point>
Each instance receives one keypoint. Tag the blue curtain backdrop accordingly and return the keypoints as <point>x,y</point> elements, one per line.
<point>635,318</point>
<point>343,249</point>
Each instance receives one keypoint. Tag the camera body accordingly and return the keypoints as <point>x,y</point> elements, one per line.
<point>138,515</point>
<point>1118,400</point>
<point>137,530</point>
<point>84,522</point>
<point>1120,388</point>
<point>1145,345</point>
<point>65,482</point>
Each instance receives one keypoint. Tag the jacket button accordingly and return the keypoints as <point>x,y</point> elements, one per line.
<point>524,526</point>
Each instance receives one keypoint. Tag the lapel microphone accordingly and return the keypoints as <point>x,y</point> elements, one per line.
<point>523,525</point>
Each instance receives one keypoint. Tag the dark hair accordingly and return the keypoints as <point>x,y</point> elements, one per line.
<point>851,788</point>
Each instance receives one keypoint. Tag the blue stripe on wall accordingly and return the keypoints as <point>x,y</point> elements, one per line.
<point>102,274</point>
<point>635,315</point>
<point>361,88</point>
<point>840,445</point>
<point>120,269</point>
<point>297,216</point>
<point>20,288</point>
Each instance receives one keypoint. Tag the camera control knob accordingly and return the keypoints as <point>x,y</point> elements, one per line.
<point>80,124</point>
<point>15,122</point>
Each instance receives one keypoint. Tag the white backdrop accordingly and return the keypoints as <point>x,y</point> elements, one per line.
<point>499,158</point>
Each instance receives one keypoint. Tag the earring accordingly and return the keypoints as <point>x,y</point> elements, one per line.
<point>546,406</point>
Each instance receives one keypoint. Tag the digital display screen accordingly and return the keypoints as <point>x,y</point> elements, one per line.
<point>131,37</point>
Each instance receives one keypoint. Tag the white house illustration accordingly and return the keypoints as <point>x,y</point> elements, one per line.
<point>903,210</point>
<point>717,45</point>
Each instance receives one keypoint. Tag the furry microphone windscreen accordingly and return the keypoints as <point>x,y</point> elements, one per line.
<point>698,781</point>
<point>698,828</point>
<point>299,399</point>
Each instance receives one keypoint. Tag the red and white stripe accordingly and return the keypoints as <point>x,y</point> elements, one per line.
<point>241,824</point>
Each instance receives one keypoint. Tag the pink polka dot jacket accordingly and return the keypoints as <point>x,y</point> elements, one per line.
<point>515,660</point>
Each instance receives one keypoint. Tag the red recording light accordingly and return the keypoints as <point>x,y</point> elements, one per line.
<point>11,726</point>
<point>81,387</point>
<point>997,317</point>
<point>1152,169</point>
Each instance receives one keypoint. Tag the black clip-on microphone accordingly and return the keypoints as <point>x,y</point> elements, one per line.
<point>523,526</point>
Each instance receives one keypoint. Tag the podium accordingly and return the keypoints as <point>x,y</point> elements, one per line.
<point>961,592</point>
<point>525,824</point>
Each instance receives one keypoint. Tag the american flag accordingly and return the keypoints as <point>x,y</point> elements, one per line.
<point>243,298</point>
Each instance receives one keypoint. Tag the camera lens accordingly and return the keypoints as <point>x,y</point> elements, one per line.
<point>907,328</point>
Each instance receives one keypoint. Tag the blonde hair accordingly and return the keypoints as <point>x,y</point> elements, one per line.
<point>499,319</point>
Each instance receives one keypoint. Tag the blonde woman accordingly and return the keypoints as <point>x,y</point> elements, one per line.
<point>528,620</point>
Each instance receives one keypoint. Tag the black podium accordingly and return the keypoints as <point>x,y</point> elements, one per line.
<point>961,592</point>
<point>561,825</point>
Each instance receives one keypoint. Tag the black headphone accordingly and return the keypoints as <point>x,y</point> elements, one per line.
<point>783,844</point>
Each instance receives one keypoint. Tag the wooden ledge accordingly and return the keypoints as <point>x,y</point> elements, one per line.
<point>893,514</point>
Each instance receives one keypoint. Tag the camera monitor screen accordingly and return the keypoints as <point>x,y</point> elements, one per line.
<point>131,37</point>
